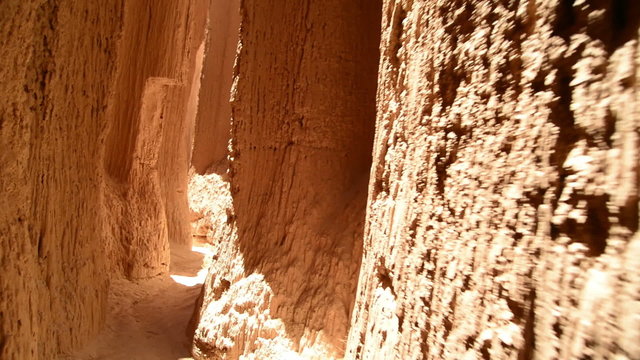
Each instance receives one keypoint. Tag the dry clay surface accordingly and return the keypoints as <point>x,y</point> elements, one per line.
<point>503,206</point>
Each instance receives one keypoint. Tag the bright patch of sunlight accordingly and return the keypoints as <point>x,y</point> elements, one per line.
<point>202,250</point>
<point>202,274</point>
<point>189,280</point>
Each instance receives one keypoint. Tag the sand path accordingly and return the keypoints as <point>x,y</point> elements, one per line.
<point>148,319</point>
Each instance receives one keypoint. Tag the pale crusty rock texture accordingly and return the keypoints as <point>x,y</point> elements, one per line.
<point>234,319</point>
<point>97,106</point>
<point>503,204</point>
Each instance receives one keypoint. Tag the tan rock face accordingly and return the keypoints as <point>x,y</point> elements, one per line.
<point>53,282</point>
<point>213,123</point>
<point>148,146</point>
<point>503,207</point>
<point>303,107</point>
<point>85,84</point>
<point>497,219</point>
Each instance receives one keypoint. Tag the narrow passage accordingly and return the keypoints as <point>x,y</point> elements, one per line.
<point>148,319</point>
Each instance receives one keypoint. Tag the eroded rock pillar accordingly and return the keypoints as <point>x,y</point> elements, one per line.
<point>303,106</point>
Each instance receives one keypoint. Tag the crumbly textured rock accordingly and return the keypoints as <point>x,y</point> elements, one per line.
<point>234,320</point>
<point>78,96</point>
<point>53,283</point>
<point>503,205</point>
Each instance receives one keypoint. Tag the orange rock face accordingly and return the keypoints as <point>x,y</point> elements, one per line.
<point>55,87</point>
<point>213,123</point>
<point>484,204</point>
<point>303,111</point>
<point>97,113</point>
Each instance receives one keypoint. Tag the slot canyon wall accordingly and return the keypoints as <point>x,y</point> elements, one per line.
<point>303,113</point>
<point>503,205</point>
<point>213,125</point>
<point>502,214</point>
<point>484,205</point>
<point>148,147</point>
<point>95,141</point>
<point>53,285</point>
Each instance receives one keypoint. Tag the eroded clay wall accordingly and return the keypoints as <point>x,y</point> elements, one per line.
<point>182,107</point>
<point>303,117</point>
<point>148,147</point>
<point>303,110</point>
<point>86,84</point>
<point>57,70</point>
<point>213,123</point>
<point>503,205</point>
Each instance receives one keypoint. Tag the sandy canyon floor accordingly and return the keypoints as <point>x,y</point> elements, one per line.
<point>148,319</point>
